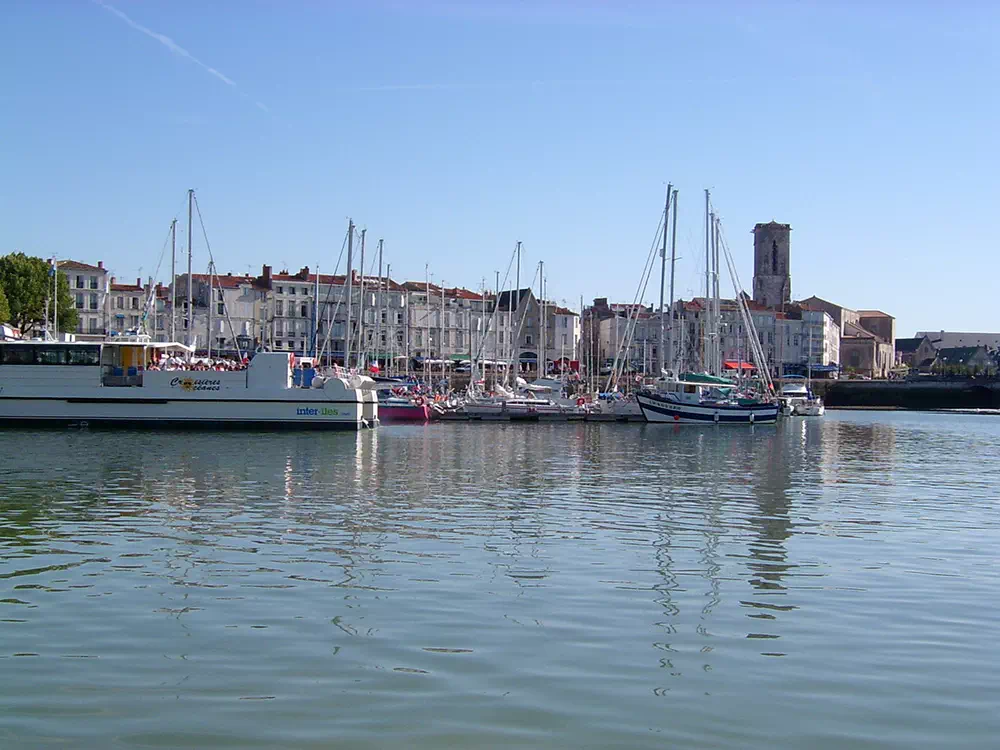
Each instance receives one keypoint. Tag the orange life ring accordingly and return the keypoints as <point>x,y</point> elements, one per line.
<point>419,401</point>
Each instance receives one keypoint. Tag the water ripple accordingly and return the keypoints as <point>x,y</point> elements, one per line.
<point>824,582</point>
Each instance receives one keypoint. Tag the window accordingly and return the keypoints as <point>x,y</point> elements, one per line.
<point>279,307</point>
<point>528,340</point>
<point>159,322</point>
<point>119,302</point>
<point>220,297</point>
<point>79,325</point>
<point>17,355</point>
<point>220,342</point>
<point>220,308</point>
<point>418,339</point>
<point>278,344</point>
<point>458,339</point>
<point>565,344</point>
<point>445,337</point>
<point>79,302</point>
<point>93,282</point>
<point>83,355</point>
<point>93,301</point>
<point>305,311</point>
<point>281,290</point>
<point>50,355</point>
<point>291,290</point>
<point>565,322</point>
<point>133,321</point>
<point>399,318</point>
<point>79,282</point>
<point>93,326</point>
<point>135,303</point>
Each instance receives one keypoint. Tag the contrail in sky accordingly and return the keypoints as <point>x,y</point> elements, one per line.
<point>174,47</point>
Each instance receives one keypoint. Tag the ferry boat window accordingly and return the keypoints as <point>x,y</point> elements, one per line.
<point>17,355</point>
<point>83,355</point>
<point>50,355</point>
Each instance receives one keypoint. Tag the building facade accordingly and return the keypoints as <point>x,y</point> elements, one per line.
<point>89,287</point>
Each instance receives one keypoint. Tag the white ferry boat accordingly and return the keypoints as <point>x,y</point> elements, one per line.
<point>55,383</point>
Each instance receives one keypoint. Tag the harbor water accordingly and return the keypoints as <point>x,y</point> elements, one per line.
<point>819,583</point>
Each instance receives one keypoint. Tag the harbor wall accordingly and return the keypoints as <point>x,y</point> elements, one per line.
<point>909,394</point>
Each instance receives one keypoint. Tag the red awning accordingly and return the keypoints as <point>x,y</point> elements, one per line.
<point>734,365</point>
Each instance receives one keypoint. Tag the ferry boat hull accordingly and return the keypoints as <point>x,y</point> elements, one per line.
<point>659,409</point>
<point>58,384</point>
<point>301,414</point>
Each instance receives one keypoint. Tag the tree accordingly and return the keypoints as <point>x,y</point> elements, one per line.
<point>27,284</point>
<point>4,307</point>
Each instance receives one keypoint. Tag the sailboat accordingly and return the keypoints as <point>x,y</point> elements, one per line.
<point>707,398</point>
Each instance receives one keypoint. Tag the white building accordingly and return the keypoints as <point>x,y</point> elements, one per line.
<point>88,285</point>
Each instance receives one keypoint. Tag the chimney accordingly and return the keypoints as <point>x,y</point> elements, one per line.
<point>138,283</point>
<point>265,275</point>
<point>303,273</point>
<point>112,279</point>
<point>100,264</point>
<point>354,276</point>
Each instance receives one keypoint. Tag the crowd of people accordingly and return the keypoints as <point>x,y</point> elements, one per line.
<point>200,364</point>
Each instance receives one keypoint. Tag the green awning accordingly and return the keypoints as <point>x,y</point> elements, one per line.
<point>458,357</point>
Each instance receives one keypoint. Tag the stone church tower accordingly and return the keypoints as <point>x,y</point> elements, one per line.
<point>772,280</point>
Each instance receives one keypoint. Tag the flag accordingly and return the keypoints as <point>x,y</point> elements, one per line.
<point>52,267</point>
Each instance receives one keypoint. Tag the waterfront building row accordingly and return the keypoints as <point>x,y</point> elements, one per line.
<point>306,312</point>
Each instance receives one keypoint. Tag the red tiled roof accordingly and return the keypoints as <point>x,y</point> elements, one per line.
<point>126,288</point>
<point>75,265</point>
<point>873,314</point>
<point>564,311</point>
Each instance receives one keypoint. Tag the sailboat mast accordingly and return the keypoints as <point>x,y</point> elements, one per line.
<point>390,363</point>
<point>190,301</point>
<point>173,280</point>
<point>378,308</point>
<point>540,362</point>
<point>673,262</point>
<point>444,376</point>
<point>716,327</point>
<point>427,319</point>
<point>707,323</point>
<point>208,319</point>
<point>496,333</point>
<point>661,359</point>
<point>718,308</point>
<point>350,291</point>
<point>316,317</point>
<point>361,307</point>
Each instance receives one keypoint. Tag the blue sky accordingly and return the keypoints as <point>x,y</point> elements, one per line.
<point>453,129</point>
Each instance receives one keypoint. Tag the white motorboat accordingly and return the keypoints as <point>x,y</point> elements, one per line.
<point>798,401</point>
<point>55,383</point>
